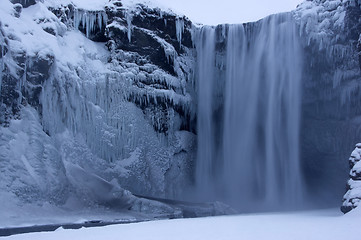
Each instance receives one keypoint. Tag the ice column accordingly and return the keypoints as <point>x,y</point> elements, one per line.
<point>1,66</point>
<point>179,25</point>
<point>130,27</point>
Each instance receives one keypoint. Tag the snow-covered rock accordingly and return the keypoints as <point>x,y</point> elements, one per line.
<point>352,198</point>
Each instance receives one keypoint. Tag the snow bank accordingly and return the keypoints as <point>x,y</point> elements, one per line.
<point>296,226</point>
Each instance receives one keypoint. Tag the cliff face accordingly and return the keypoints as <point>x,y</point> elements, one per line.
<point>331,82</point>
<point>117,100</point>
<point>114,102</point>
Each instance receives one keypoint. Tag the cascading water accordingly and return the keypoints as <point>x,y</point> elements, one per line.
<point>249,113</point>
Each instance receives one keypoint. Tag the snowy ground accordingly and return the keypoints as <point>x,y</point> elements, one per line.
<point>318,225</point>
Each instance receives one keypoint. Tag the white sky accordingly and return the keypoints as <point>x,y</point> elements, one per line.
<point>212,12</point>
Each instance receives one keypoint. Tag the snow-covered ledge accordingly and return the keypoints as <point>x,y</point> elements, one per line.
<point>352,198</point>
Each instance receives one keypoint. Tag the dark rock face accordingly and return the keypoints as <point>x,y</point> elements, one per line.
<point>25,3</point>
<point>25,85</point>
<point>39,67</point>
<point>10,96</point>
<point>149,32</point>
<point>151,35</point>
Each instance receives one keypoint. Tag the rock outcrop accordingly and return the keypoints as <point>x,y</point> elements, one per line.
<point>352,197</point>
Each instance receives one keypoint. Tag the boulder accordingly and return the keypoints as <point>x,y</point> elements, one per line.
<point>352,197</point>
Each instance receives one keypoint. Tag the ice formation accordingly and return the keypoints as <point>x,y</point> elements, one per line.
<point>103,116</point>
<point>90,20</point>
<point>2,62</point>
<point>179,30</point>
<point>129,25</point>
<point>322,23</point>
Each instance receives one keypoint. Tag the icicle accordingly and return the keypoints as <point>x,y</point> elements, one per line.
<point>21,82</point>
<point>179,25</point>
<point>337,78</point>
<point>129,22</point>
<point>88,20</point>
<point>100,20</point>
<point>76,19</point>
<point>83,19</point>
<point>1,66</point>
<point>320,47</point>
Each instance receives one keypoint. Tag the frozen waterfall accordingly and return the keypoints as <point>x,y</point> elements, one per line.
<point>249,113</point>
<point>89,20</point>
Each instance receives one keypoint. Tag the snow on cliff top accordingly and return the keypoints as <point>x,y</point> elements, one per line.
<point>26,34</point>
<point>96,5</point>
<point>149,3</point>
<point>91,5</point>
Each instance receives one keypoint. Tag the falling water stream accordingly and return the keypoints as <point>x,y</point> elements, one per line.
<point>249,113</point>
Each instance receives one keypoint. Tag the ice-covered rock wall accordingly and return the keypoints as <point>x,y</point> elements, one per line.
<point>91,106</point>
<point>331,93</point>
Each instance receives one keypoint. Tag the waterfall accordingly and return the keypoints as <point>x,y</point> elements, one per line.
<point>249,113</point>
